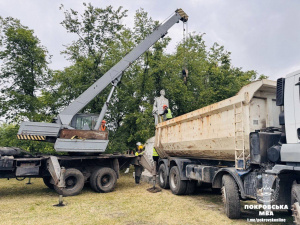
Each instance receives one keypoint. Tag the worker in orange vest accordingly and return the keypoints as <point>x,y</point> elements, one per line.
<point>103,127</point>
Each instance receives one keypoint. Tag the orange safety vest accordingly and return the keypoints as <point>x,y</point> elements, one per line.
<point>103,127</point>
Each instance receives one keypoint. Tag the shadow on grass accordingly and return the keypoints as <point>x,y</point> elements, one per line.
<point>13,188</point>
<point>22,189</point>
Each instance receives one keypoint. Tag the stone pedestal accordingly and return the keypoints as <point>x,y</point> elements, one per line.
<point>146,175</point>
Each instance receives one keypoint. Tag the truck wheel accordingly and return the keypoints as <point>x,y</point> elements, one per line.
<point>190,187</point>
<point>74,181</point>
<point>295,200</point>
<point>162,177</point>
<point>231,198</point>
<point>47,182</point>
<point>177,186</point>
<point>103,180</point>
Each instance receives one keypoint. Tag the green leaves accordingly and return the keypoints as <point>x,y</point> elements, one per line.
<point>8,137</point>
<point>23,73</point>
<point>102,41</point>
<point>96,28</point>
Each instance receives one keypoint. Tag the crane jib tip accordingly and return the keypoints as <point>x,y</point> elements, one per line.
<point>184,16</point>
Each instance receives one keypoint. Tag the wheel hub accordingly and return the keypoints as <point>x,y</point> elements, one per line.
<point>70,182</point>
<point>105,180</point>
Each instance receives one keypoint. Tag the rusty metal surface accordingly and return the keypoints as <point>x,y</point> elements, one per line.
<point>84,134</point>
<point>219,130</point>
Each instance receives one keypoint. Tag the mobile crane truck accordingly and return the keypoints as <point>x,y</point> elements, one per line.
<point>67,174</point>
<point>247,146</point>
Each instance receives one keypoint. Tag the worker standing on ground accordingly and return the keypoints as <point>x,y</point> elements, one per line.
<point>155,158</point>
<point>155,155</point>
<point>138,169</point>
<point>167,113</point>
<point>103,127</point>
<point>140,148</point>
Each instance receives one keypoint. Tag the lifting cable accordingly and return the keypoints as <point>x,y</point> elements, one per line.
<point>184,68</point>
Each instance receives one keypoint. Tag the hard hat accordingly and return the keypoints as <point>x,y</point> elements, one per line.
<point>139,143</point>
<point>103,121</point>
<point>165,106</point>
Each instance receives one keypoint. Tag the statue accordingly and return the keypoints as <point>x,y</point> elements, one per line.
<point>158,107</point>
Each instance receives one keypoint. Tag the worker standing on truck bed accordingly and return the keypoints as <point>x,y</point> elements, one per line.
<point>167,113</point>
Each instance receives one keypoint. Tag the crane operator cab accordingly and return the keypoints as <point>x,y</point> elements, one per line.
<point>84,121</point>
<point>78,137</point>
<point>83,138</point>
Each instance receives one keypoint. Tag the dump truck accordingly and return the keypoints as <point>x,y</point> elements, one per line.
<point>77,135</point>
<point>247,146</point>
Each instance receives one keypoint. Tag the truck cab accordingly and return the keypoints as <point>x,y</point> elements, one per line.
<point>288,97</point>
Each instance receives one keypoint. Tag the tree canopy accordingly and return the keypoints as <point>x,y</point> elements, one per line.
<point>102,40</point>
<point>23,72</point>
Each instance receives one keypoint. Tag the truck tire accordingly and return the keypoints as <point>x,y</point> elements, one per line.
<point>231,197</point>
<point>177,186</point>
<point>103,180</point>
<point>47,182</point>
<point>74,181</point>
<point>163,179</point>
<point>295,201</point>
<point>190,187</point>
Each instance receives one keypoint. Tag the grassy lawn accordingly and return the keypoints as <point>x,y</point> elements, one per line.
<point>128,204</point>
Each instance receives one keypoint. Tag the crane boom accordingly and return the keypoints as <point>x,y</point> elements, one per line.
<point>70,138</point>
<point>67,114</point>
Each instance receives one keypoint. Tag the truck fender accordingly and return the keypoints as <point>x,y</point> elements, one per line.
<point>217,180</point>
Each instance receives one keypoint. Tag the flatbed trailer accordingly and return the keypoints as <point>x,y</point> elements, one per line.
<point>101,171</point>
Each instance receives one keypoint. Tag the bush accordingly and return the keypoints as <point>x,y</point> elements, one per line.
<point>8,138</point>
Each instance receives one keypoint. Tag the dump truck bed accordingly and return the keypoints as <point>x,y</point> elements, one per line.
<point>220,131</point>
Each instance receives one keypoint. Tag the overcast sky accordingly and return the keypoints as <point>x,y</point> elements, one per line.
<point>262,35</point>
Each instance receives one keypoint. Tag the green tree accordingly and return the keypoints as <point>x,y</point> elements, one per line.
<point>135,95</point>
<point>102,42</point>
<point>8,137</point>
<point>92,54</point>
<point>23,71</point>
<point>212,77</point>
